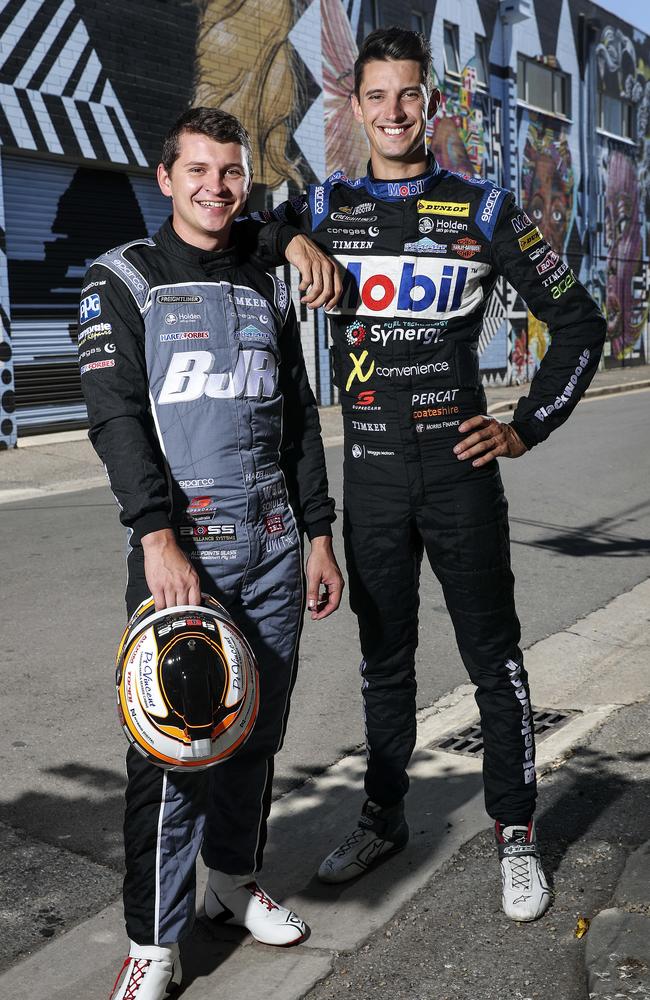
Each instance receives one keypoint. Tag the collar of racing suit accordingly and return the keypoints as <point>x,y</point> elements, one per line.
<point>396,190</point>
<point>210,261</point>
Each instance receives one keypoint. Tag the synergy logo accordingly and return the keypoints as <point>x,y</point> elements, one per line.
<point>388,286</point>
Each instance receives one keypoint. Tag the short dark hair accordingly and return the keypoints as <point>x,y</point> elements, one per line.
<point>393,43</point>
<point>216,124</point>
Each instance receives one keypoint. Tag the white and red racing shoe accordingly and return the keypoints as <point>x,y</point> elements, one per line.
<point>239,900</point>
<point>149,973</point>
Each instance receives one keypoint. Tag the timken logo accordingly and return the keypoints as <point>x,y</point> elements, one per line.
<point>458,208</point>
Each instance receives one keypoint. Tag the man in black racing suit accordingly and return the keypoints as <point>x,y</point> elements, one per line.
<point>422,248</point>
<point>200,408</point>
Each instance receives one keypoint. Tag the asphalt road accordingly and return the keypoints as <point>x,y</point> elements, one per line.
<point>580,518</point>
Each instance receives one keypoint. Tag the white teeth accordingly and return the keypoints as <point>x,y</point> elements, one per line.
<point>394,131</point>
<point>214,204</point>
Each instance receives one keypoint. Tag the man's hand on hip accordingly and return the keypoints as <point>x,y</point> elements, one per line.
<point>319,274</point>
<point>490,439</point>
<point>324,580</point>
<point>170,577</point>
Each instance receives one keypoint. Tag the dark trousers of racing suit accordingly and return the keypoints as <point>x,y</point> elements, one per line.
<point>457,514</point>
<point>170,814</point>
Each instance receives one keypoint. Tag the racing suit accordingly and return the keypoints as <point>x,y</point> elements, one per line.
<point>422,257</point>
<point>201,410</point>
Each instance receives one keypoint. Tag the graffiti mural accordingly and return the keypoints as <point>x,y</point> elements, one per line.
<point>77,119</point>
<point>620,277</point>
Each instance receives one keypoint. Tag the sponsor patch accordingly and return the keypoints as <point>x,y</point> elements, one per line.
<point>94,332</point>
<point>521,222</point>
<point>405,189</point>
<point>352,244</point>
<point>366,400</point>
<point>457,208</point>
<point>529,240</point>
<point>180,298</point>
<point>550,260</point>
<point>425,225</point>
<point>94,365</point>
<point>466,247</point>
<point>202,508</point>
<point>208,532</point>
<point>425,245</point>
<point>355,334</point>
<point>274,524</point>
<point>171,318</point>
<point>563,285</point>
<point>166,338</point>
<point>341,217</point>
<point>90,308</point>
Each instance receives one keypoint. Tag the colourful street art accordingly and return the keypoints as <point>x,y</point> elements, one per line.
<point>457,133</point>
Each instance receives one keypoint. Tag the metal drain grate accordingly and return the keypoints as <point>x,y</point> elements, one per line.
<point>469,741</point>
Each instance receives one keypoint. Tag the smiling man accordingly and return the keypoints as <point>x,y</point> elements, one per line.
<point>423,248</point>
<point>200,408</point>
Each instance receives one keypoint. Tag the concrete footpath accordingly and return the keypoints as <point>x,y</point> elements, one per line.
<point>427,923</point>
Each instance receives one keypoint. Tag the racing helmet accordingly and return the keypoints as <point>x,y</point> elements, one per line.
<point>187,689</point>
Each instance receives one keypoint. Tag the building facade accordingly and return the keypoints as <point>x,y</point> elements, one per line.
<point>550,98</point>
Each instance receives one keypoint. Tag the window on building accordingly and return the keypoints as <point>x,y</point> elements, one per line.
<point>616,116</point>
<point>418,22</point>
<point>543,87</point>
<point>452,59</point>
<point>371,16</point>
<point>481,61</point>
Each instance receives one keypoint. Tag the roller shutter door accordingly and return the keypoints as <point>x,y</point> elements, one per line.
<point>58,218</point>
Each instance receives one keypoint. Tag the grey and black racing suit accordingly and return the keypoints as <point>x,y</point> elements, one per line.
<point>422,257</point>
<point>201,410</point>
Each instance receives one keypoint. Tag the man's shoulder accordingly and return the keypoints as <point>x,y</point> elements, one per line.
<point>476,198</point>
<point>127,263</point>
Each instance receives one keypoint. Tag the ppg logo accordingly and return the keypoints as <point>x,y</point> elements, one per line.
<point>190,376</point>
<point>89,308</point>
<point>386,286</point>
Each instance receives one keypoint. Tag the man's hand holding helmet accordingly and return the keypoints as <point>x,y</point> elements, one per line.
<point>171,578</point>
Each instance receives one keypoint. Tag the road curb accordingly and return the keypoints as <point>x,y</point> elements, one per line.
<point>508,405</point>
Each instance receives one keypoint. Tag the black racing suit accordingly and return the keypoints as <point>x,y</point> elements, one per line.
<point>422,258</point>
<point>201,410</point>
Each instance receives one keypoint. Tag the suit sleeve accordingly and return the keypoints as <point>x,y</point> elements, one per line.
<point>269,233</point>
<point>115,387</point>
<point>576,325</point>
<point>302,454</point>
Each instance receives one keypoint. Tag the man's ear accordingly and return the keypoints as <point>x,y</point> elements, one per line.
<point>356,108</point>
<point>434,103</point>
<point>164,181</point>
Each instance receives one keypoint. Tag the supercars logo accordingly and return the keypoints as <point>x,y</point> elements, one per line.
<point>529,240</point>
<point>458,208</point>
<point>366,397</point>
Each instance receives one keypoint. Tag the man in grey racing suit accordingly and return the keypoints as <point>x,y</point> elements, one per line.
<point>201,410</point>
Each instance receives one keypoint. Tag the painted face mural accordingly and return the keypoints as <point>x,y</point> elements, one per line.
<point>547,182</point>
<point>625,316</point>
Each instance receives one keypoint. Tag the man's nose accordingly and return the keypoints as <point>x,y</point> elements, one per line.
<point>215,182</point>
<point>394,109</point>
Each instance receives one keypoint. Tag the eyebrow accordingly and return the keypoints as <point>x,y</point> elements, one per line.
<point>381,90</point>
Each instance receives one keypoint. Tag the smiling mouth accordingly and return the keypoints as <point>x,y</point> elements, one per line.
<point>394,129</point>
<point>214,204</point>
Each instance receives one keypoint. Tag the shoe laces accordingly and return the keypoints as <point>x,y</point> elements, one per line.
<point>520,872</point>
<point>357,836</point>
<point>140,966</point>
<point>265,900</point>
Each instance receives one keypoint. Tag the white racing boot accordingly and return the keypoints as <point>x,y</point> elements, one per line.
<point>380,832</point>
<point>526,894</point>
<point>238,899</point>
<point>149,973</point>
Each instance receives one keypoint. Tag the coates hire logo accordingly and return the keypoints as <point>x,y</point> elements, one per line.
<point>388,286</point>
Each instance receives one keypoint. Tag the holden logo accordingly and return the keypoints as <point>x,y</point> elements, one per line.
<point>425,225</point>
<point>171,318</point>
<point>357,451</point>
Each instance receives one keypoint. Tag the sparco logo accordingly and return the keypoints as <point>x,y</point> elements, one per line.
<point>493,197</point>
<point>192,484</point>
<point>319,199</point>
<point>129,273</point>
<point>190,376</point>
